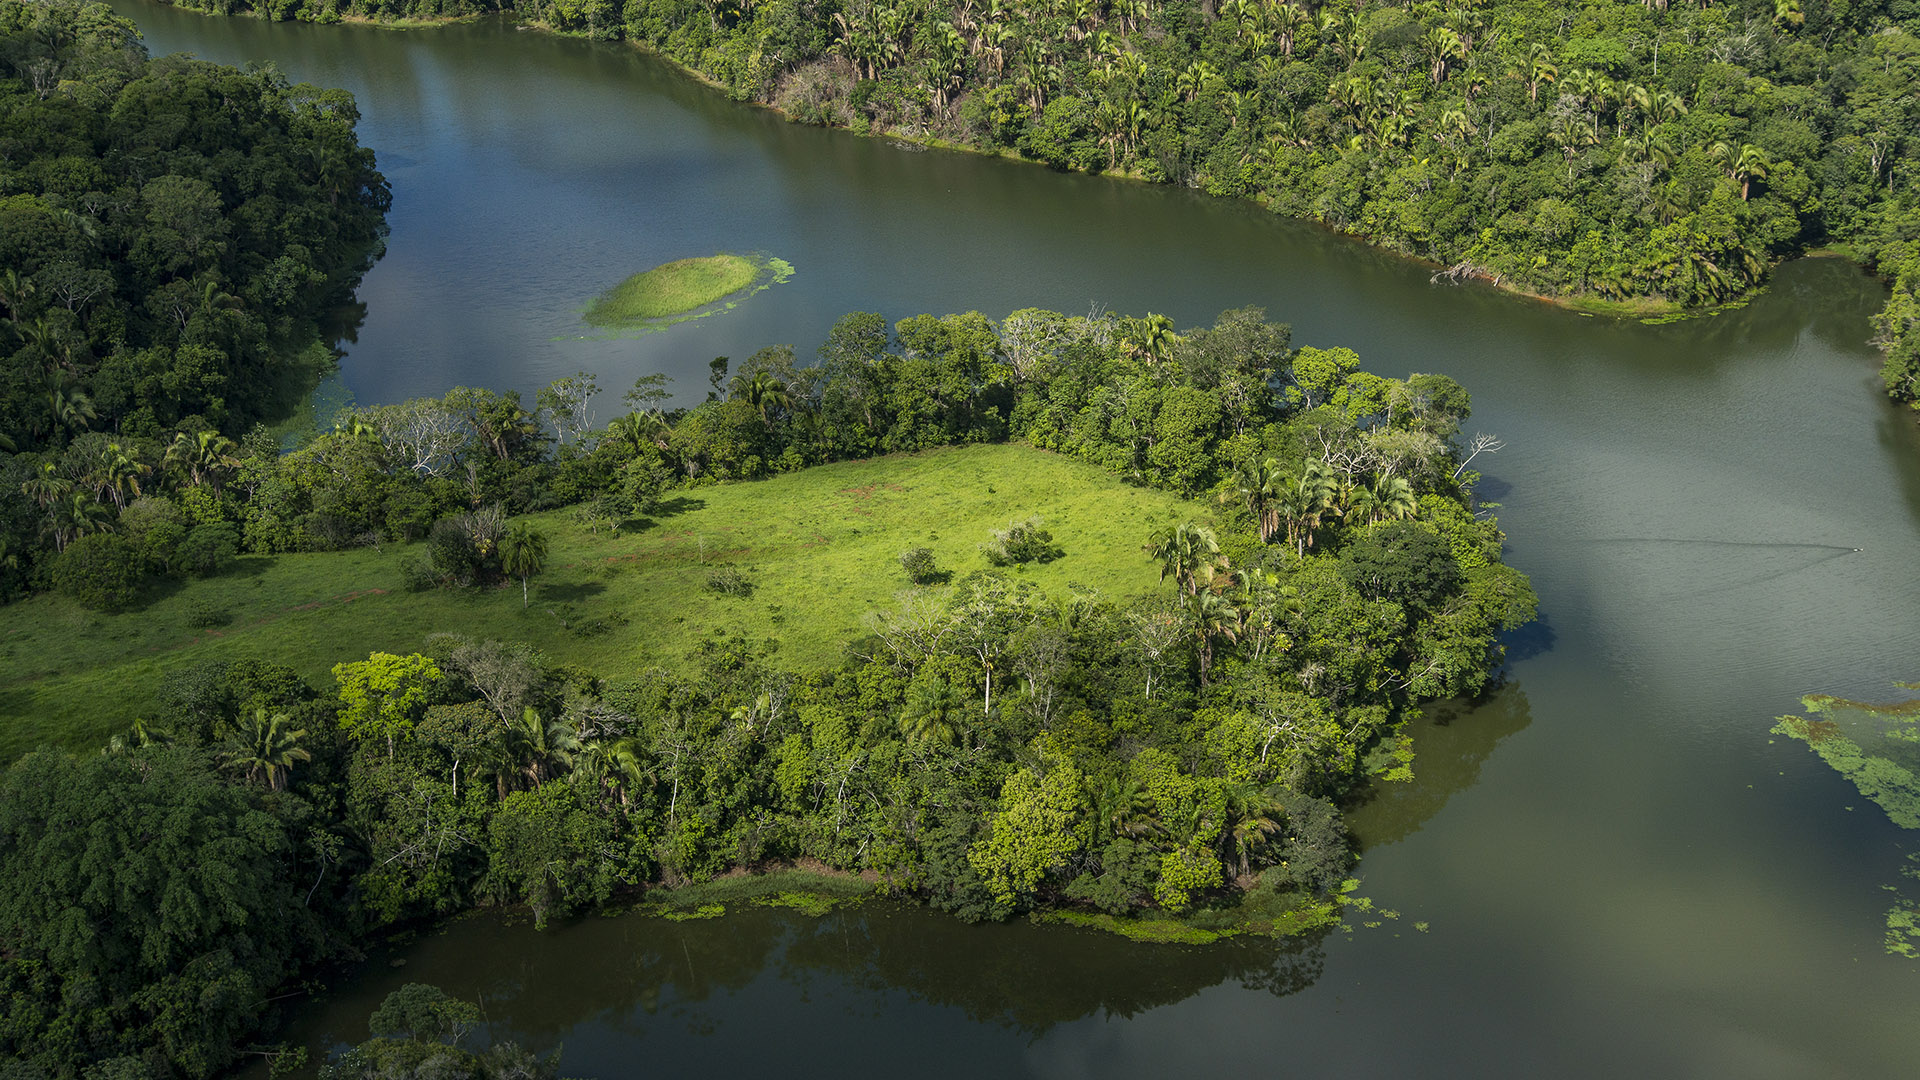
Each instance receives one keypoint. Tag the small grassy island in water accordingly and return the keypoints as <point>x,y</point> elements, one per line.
<point>680,288</point>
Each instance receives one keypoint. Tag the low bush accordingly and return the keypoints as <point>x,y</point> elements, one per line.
<point>1020,542</point>
<point>920,565</point>
<point>101,571</point>
<point>728,581</point>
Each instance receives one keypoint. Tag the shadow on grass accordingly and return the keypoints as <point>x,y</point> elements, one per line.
<point>567,594</point>
<point>679,504</point>
<point>162,586</point>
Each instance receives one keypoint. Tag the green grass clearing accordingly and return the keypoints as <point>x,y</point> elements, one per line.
<point>674,288</point>
<point>821,548</point>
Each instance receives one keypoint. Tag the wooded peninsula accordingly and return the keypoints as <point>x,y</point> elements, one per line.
<point>1142,608</point>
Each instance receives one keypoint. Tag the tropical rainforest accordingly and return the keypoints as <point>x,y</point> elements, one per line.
<point>988,746</point>
<point>1636,157</point>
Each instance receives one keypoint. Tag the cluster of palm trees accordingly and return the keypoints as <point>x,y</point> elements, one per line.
<point>1218,603</point>
<point>87,492</point>
<point>1301,504</point>
<point>1241,818</point>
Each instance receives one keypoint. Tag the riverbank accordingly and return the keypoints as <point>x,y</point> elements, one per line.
<point>1646,308</point>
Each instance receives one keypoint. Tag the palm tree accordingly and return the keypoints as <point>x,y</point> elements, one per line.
<point>762,390</point>
<point>1210,617</point>
<point>1254,814</point>
<point>46,487</point>
<point>1187,553</point>
<point>1255,486</point>
<point>1540,69</point>
<point>1391,498</point>
<point>1744,166</point>
<point>1120,809</point>
<point>539,747</point>
<point>205,455</point>
<point>1150,339</point>
<point>616,765</point>
<point>266,746</point>
<point>1752,164</point>
<point>933,705</point>
<point>75,515</point>
<point>117,475</point>
<point>523,553</point>
<point>1304,505</point>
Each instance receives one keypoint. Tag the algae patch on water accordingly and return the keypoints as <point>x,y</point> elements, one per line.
<point>684,289</point>
<point>1877,748</point>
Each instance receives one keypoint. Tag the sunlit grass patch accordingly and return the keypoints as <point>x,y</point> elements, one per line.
<point>674,288</point>
<point>822,547</point>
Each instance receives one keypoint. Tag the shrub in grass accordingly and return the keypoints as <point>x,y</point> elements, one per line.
<point>208,549</point>
<point>418,575</point>
<point>920,566</point>
<point>728,581</point>
<point>1020,542</point>
<point>101,571</point>
<point>202,615</point>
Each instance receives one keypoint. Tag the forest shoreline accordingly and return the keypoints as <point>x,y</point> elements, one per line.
<point>1644,309</point>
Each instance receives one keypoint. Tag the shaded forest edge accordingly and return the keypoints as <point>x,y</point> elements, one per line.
<point>1623,158</point>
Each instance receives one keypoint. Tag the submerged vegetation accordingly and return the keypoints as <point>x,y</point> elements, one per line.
<point>1877,749</point>
<point>673,288</point>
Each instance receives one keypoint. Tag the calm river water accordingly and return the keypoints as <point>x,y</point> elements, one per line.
<point>1619,872</point>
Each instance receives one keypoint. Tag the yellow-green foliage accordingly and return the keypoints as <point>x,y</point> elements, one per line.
<point>1151,931</point>
<point>822,547</point>
<point>674,288</point>
<point>805,903</point>
<point>805,891</point>
<point>1030,835</point>
<point>1259,914</point>
<point>1885,774</point>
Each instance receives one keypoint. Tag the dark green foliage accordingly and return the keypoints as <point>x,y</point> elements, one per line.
<point>159,928</point>
<point>101,571</point>
<point>549,850</point>
<point>204,616</point>
<point>208,549</point>
<point>1317,853</point>
<point>417,1033</point>
<point>987,747</point>
<point>173,228</point>
<point>170,233</point>
<point>1124,881</point>
<point>1403,561</point>
<point>920,565</point>
<point>1670,153</point>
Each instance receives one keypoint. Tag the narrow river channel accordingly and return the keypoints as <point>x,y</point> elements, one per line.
<point>1617,871</point>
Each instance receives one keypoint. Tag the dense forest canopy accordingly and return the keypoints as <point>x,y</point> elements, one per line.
<point>169,232</point>
<point>1648,154</point>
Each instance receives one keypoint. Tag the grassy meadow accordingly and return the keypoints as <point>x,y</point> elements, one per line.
<point>821,548</point>
<point>674,288</point>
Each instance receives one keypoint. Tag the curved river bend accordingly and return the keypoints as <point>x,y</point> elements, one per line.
<point>1637,882</point>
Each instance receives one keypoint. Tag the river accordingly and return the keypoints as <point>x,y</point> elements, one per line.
<point>1615,869</point>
